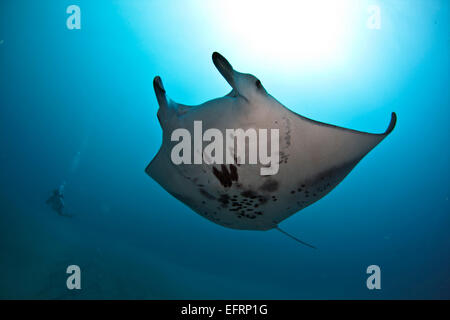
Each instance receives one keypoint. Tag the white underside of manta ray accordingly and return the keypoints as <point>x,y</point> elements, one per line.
<point>314,157</point>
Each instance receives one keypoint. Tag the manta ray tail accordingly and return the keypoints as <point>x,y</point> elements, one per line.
<point>296,239</point>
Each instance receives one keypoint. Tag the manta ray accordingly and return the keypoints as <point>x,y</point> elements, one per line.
<point>314,157</point>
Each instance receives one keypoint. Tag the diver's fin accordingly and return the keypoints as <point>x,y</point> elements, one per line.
<point>292,237</point>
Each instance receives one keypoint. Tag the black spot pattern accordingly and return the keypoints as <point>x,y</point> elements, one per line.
<point>224,176</point>
<point>240,200</point>
<point>224,199</point>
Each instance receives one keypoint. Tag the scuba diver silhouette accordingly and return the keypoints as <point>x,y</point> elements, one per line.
<point>56,201</point>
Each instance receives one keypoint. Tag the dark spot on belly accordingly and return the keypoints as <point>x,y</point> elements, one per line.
<point>233,173</point>
<point>269,185</point>
<point>224,176</point>
<point>262,199</point>
<point>252,198</point>
<point>224,200</point>
<point>249,194</point>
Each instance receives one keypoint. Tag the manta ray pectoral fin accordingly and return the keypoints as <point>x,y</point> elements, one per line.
<point>391,124</point>
<point>334,150</point>
<point>380,137</point>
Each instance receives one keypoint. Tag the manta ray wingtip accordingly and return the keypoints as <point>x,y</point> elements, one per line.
<point>391,124</point>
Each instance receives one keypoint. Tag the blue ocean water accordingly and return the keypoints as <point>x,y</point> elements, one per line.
<point>78,106</point>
